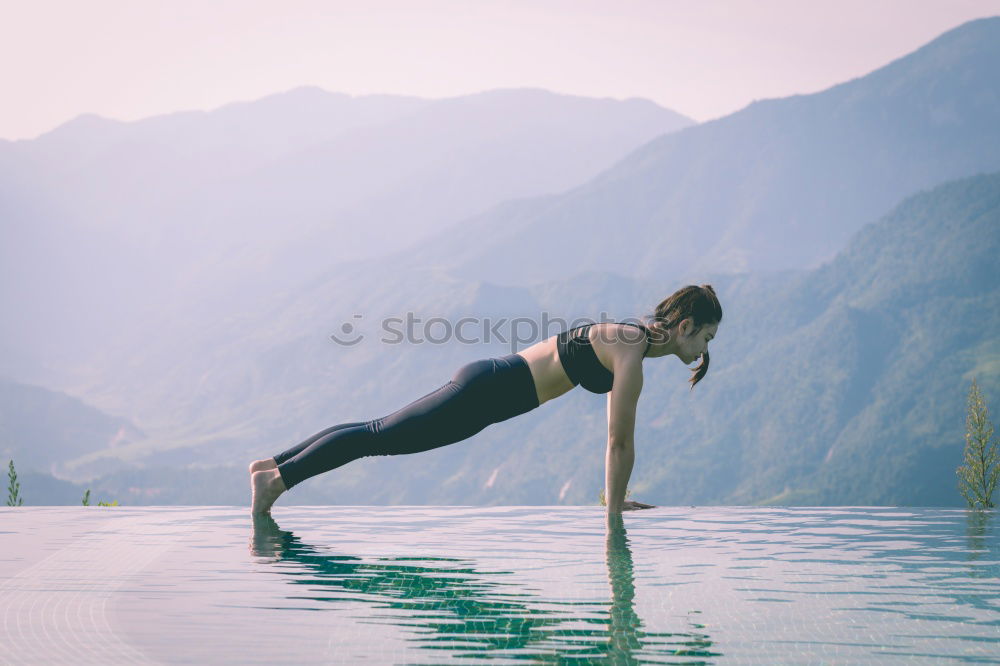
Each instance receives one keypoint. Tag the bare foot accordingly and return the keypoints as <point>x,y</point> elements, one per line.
<point>267,486</point>
<point>258,465</point>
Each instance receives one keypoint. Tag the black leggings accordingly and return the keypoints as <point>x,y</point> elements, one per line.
<point>480,393</point>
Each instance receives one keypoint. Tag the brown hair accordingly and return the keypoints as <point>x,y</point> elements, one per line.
<point>701,305</point>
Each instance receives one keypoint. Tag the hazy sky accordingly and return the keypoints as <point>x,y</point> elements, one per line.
<point>127,59</point>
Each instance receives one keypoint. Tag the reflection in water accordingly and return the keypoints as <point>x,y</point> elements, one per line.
<point>977,528</point>
<point>625,632</point>
<point>474,614</point>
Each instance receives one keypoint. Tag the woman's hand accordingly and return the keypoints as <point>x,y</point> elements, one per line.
<point>630,505</point>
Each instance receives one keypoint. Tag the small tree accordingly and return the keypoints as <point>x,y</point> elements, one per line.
<point>13,487</point>
<point>977,478</point>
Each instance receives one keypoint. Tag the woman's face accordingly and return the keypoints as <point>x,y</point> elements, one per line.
<point>691,343</point>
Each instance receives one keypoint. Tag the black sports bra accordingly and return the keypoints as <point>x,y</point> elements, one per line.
<point>581,364</point>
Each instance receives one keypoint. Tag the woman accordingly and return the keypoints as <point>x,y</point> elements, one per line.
<point>602,357</point>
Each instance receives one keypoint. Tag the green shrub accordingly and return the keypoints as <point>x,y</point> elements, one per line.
<point>977,478</point>
<point>13,487</point>
<point>86,500</point>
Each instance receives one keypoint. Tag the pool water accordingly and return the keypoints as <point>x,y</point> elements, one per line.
<point>515,585</point>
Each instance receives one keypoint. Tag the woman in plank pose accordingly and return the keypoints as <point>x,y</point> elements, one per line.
<point>601,357</point>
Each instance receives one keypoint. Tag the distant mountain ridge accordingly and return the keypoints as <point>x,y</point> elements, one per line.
<point>39,429</point>
<point>107,224</point>
<point>781,184</point>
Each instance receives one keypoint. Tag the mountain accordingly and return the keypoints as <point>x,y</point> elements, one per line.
<point>845,384</point>
<point>836,382</point>
<point>848,385</point>
<point>781,184</point>
<point>108,224</point>
<point>39,428</point>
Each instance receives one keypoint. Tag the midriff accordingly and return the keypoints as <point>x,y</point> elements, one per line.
<point>550,377</point>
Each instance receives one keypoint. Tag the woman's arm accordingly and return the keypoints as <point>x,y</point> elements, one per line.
<point>622,401</point>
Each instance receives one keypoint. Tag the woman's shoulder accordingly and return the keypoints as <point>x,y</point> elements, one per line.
<point>621,333</point>
<point>619,344</point>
